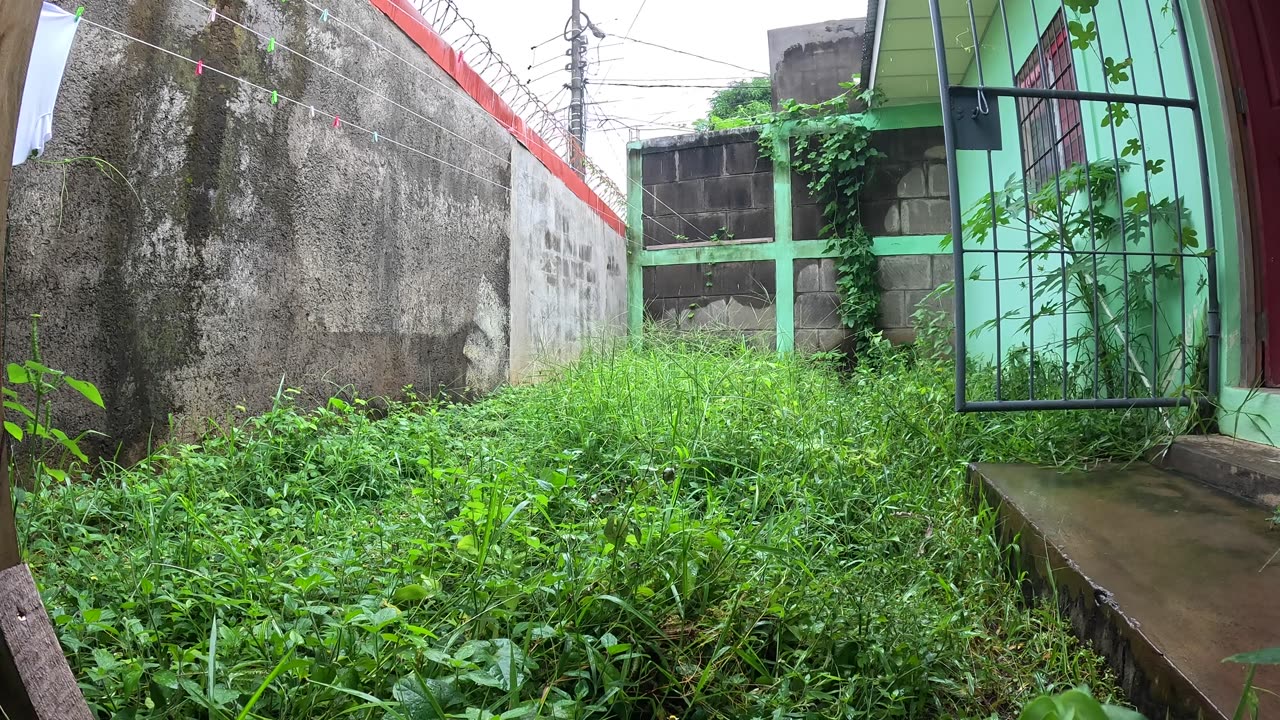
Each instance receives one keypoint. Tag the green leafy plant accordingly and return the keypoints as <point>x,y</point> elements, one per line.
<point>690,528</point>
<point>743,104</point>
<point>1077,704</point>
<point>1062,221</point>
<point>832,148</point>
<point>31,381</point>
<point>1247,709</point>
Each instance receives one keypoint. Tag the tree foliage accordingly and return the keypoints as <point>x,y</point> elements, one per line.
<point>742,104</point>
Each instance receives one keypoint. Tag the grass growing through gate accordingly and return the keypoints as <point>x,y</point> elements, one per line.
<point>691,530</point>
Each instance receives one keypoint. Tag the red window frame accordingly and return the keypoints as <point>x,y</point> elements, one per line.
<point>1052,130</point>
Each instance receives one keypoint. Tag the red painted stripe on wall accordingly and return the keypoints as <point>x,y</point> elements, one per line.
<point>411,22</point>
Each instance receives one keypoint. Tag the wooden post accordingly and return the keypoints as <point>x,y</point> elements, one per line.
<point>35,681</point>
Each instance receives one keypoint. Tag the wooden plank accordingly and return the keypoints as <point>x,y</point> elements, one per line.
<point>18,20</point>
<point>35,681</point>
<point>34,678</point>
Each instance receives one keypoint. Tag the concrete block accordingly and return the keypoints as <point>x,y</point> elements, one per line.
<point>815,275</point>
<point>882,218</point>
<point>893,309</point>
<point>752,279</point>
<point>913,183</point>
<point>943,269</point>
<point>917,299</point>
<point>675,229</point>
<point>750,314</point>
<point>700,162</point>
<point>938,182</point>
<point>650,202</point>
<point>750,224</point>
<point>807,222</point>
<point>744,159</point>
<point>681,197</point>
<point>763,339</point>
<point>817,310</point>
<point>657,168</point>
<point>762,190</point>
<point>926,217</point>
<point>812,341</point>
<point>678,281</point>
<point>900,336</point>
<point>728,193</point>
<point>800,194</point>
<point>905,272</point>
<point>936,152</point>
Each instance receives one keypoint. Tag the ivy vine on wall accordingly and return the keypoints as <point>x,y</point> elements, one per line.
<point>832,148</point>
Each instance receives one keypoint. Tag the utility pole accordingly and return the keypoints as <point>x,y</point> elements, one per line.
<point>578,88</point>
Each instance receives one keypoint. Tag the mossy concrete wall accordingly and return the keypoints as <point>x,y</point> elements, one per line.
<point>250,244</point>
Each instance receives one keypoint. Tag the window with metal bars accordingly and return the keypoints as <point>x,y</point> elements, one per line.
<point>1052,136</point>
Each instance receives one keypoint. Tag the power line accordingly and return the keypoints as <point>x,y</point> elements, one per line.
<point>661,85</point>
<point>685,52</point>
<point>273,43</point>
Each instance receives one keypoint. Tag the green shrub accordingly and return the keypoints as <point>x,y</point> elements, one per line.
<point>692,529</point>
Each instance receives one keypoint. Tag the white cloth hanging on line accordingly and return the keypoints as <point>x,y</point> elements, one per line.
<point>54,35</point>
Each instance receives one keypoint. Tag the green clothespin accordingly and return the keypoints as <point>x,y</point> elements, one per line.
<point>271,45</point>
<point>275,98</point>
<point>79,12</point>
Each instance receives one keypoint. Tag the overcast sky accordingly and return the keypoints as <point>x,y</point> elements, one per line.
<point>734,31</point>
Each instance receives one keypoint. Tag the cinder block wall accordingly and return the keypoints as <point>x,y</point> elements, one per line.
<point>697,185</point>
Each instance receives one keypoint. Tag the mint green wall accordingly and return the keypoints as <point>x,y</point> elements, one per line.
<point>1170,138</point>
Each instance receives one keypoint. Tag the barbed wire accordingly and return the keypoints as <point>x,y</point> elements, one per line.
<point>446,20</point>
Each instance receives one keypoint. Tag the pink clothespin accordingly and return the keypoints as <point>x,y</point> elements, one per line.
<point>199,67</point>
<point>337,122</point>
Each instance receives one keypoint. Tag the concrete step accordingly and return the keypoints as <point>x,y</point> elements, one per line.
<point>1242,468</point>
<point>1162,575</point>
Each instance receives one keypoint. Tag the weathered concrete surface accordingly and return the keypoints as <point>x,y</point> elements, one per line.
<point>261,243</point>
<point>1164,576</point>
<point>568,273</point>
<point>808,62</point>
<point>1244,469</point>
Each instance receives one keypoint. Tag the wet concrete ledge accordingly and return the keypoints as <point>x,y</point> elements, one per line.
<point>1159,573</point>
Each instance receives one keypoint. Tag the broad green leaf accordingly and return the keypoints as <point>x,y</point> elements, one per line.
<point>1270,656</point>
<point>1115,712</point>
<point>410,594</point>
<point>59,475</point>
<point>13,430</point>
<point>87,389</point>
<point>1042,708</point>
<point>19,408</point>
<point>17,374</point>
<point>166,679</point>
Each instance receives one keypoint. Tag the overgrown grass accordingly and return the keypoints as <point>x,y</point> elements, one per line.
<point>691,530</point>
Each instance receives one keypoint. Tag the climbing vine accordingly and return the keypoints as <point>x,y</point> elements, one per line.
<point>832,148</point>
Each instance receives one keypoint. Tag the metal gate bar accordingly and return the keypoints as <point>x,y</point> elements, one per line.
<point>1158,394</point>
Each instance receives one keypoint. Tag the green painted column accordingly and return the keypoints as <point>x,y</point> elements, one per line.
<point>635,243</point>
<point>784,249</point>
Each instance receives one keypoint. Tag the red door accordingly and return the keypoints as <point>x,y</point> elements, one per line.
<point>1254,28</point>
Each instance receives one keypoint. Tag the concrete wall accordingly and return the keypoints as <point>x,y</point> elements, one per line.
<point>262,243</point>
<point>697,184</point>
<point>808,62</point>
<point>568,273</point>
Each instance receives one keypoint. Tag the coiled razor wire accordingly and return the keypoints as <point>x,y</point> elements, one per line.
<point>477,50</point>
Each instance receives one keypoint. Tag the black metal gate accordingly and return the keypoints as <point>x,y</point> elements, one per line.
<point>1080,284</point>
